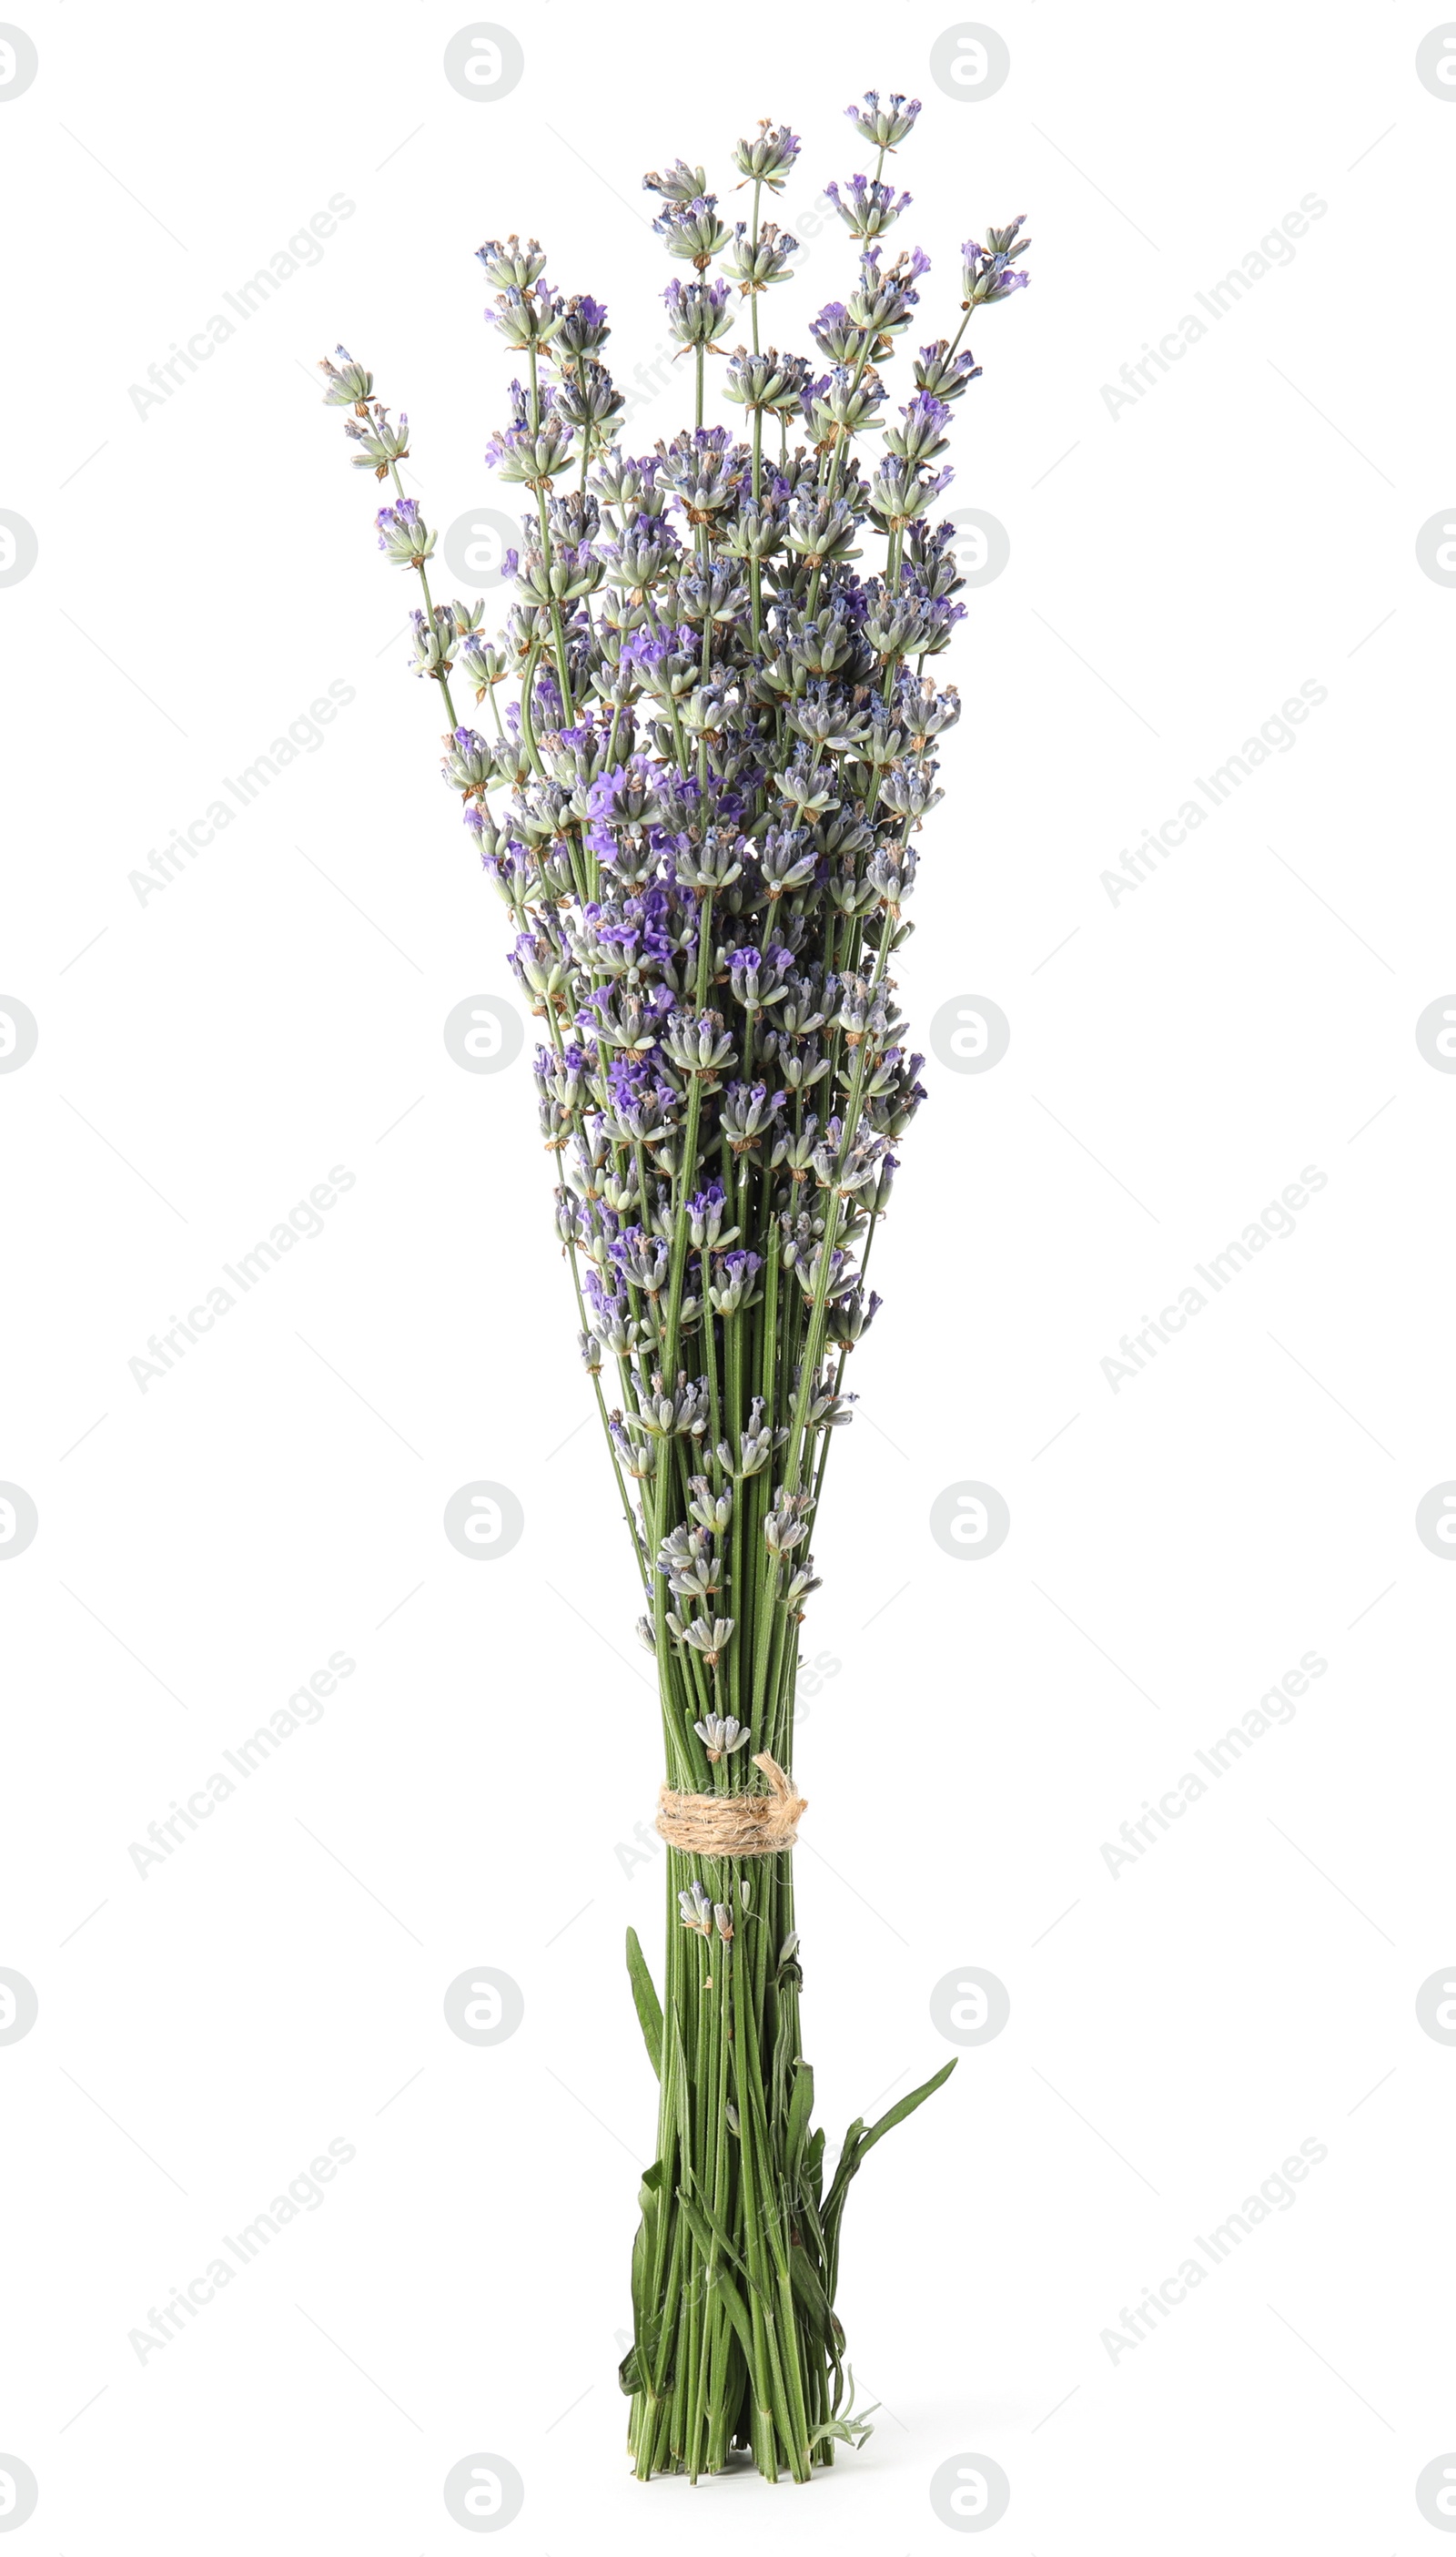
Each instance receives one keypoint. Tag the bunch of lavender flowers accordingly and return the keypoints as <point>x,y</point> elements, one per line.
<point>699,808</point>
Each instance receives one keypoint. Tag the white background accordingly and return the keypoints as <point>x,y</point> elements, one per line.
<point>1177,570</point>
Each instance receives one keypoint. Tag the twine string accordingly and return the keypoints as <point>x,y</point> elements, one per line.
<point>734,1823</point>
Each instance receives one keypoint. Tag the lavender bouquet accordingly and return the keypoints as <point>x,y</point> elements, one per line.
<point>699,808</point>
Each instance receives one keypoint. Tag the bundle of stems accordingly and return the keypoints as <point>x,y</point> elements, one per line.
<point>699,808</point>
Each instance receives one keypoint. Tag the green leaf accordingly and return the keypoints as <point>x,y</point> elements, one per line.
<point>814,2307</point>
<point>801,2106</point>
<point>844,2425</point>
<point>900,2112</point>
<point>811,2177</point>
<point>646,2000</point>
<point>859,2142</point>
<point>635,2370</point>
<point>812,2226</point>
<point>681,2098</point>
<point>706,2227</point>
<point>643,2244</point>
<point>722,2286</point>
<point>848,2159</point>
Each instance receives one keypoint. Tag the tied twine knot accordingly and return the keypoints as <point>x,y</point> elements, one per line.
<point>734,1823</point>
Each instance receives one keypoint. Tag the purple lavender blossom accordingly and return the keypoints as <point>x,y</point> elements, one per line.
<point>887,126</point>
<point>867,206</point>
